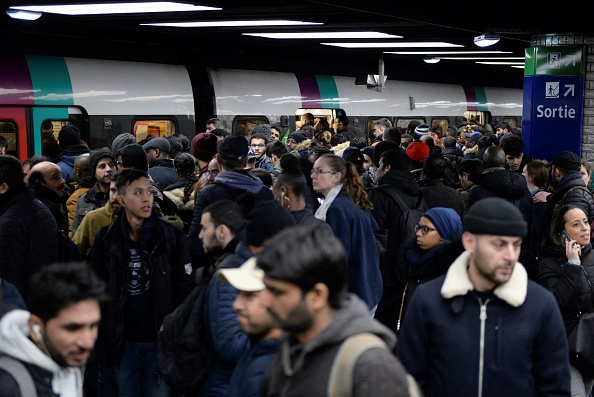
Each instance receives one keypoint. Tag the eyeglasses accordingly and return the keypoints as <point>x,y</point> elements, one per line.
<point>318,171</point>
<point>258,145</point>
<point>424,229</point>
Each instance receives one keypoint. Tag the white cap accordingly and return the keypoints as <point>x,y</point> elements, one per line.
<point>248,277</point>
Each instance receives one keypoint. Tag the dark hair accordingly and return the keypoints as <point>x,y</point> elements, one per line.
<point>58,286</point>
<point>3,142</point>
<point>228,213</point>
<point>262,175</point>
<point>380,148</point>
<point>318,258</point>
<point>434,166</point>
<point>503,125</point>
<point>358,142</point>
<point>350,180</point>
<point>494,157</point>
<point>484,142</point>
<point>35,159</point>
<point>292,175</point>
<point>392,134</point>
<point>11,171</point>
<point>308,130</point>
<point>277,148</point>
<point>175,145</point>
<point>216,122</point>
<point>396,159</point>
<point>185,166</point>
<point>449,142</point>
<point>324,125</point>
<point>512,145</point>
<point>470,166</point>
<point>539,173</point>
<point>558,223</point>
<point>309,118</point>
<point>220,132</point>
<point>343,119</point>
<point>128,175</point>
<point>259,135</point>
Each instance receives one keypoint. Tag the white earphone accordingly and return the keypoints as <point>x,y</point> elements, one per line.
<point>37,331</point>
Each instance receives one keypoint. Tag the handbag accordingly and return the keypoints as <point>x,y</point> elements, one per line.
<point>581,340</point>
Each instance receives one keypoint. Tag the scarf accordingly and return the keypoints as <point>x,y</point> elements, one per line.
<point>321,212</point>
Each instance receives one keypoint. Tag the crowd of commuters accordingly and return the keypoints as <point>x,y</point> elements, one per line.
<point>314,247</point>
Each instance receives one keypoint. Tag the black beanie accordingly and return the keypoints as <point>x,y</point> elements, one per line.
<point>97,155</point>
<point>265,220</point>
<point>69,136</point>
<point>494,216</point>
<point>134,156</point>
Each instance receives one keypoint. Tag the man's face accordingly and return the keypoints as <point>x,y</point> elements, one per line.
<point>70,336</point>
<point>213,170</point>
<point>291,143</point>
<point>151,154</point>
<point>501,131</point>
<point>138,198</point>
<point>287,305</point>
<point>275,134</point>
<point>382,169</point>
<point>367,162</point>
<point>377,130</point>
<point>210,127</point>
<point>464,181</point>
<point>258,147</point>
<point>113,197</point>
<point>585,175</point>
<point>492,258</point>
<point>52,179</point>
<point>253,318</point>
<point>514,162</point>
<point>104,171</point>
<point>208,235</point>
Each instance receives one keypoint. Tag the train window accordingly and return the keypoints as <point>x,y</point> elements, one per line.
<point>50,129</point>
<point>402,123</point>
<point>243,125</point>
<point>439,126</point>
<point>328,114</point>
<point>511,121</point>
<point>156,128</point>
<point>8,131</point>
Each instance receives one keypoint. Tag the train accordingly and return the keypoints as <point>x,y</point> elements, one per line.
<point>40,94</point>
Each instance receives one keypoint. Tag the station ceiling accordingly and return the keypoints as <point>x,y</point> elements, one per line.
<point>122,36</point>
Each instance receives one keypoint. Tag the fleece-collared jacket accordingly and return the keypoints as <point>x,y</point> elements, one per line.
<point>456,341</point>
<point>49,378</point>
<point>303,370</point>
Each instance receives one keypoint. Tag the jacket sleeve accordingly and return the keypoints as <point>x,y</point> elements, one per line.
<point>10,387</point>
<point>196,249</point>
<point>562,279</point>
<point>379,373</point>
<point>183,280</point>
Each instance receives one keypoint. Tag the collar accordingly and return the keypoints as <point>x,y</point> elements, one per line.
<point>457,283</point>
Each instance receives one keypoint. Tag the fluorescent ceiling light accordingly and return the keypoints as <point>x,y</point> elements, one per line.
<point>393,44</point>
<point>517,66</point>
<point>501,63</point>
<point>24,15</point>
<point>483,58</point>
<point>325,35</point>
<point>445,52</point>
<point>217,24</point>
<point>115,8</point>
<point>485,40</point>
<point>431,59</point>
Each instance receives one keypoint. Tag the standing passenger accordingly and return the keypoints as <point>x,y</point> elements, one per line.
<point>160,163</point>
<point>71,146</point>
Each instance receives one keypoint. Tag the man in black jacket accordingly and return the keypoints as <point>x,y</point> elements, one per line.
<point>146,264</point>
<point>50,188</point>
<point>28,232</point>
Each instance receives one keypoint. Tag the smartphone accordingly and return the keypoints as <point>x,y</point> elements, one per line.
<point>564,237</point>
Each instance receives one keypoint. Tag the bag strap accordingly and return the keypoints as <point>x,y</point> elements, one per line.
<point>396,197</point>
<point>589,284</point>
<point>20,374</point>
<point>401,308</point>
<point>340,383</point>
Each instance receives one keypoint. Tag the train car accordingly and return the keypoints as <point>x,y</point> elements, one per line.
<point>40,94</point>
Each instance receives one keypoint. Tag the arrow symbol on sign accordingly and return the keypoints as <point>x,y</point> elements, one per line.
<point>570,59</point>
<point>570,89</point>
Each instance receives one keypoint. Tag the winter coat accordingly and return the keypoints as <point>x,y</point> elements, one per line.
<point>71,205</point>
<point>28,237</point>
<point>387,214</point>
<point>162,172</point>
<point>94,198</point>
<point>264,162</point>
<point>354,227</point>
<point>170,270</point>
<point>525,348</point>
<point>47,375</point>
<point>90,225</point>
<point>377,372</point>
<point>185,210</point>
<point>233,180</point>
<point>248,373</point>
<point>56,205</point>
<point>436,194</point>
<point>67,158</point>
<point>568,282</point>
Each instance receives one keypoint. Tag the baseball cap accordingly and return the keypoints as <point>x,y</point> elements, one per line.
<point>248,277</point>
<point>566,160</point>
<point>474,135</point>
<point>158,143</point>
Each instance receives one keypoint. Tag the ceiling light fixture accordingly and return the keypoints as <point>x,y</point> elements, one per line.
<point>325,35</point>
<point>431,59</point>
<point>115,8</point>
<point>501,63</point>
<point>222,24</point>
<point>24,15</point>
<point>483,58</point>
<point>445,52</point>
<point>485,40</point>
<point>393,45</point>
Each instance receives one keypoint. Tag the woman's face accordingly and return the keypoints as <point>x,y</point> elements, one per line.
<point>323,177</point>
<point>367,162</point>
<point>584,174</point>
<point>577,226</point>
<point>430,240</point>
<point>279,193</point>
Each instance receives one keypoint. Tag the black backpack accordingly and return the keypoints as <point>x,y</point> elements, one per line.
<point>185,353</point>
<point>406,232</point>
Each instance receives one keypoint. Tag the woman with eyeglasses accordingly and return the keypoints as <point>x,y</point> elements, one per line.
<point>346,208</point>
<point>437,229</point>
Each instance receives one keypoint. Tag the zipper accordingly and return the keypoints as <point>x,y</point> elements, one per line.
<point>483,318</point>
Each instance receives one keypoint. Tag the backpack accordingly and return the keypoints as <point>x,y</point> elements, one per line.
<point>244,199</point>
<point>406,233</point>
<point>20,374</point>
<point>184,351</point>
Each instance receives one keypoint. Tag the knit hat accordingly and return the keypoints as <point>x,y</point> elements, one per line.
<point>353,155</point>
<point>417,151</point>
<point>263,129</point>
<point>120,141</point>
<point>495,216</point>
<point>233,147</point>
<point>265,220</point>
<point>204,146</point>
<point>69,136</point>
<point>158,143</point>
<point>567,160</point>
<point>368,150</point>
<point>97,155</point>
<point>446,221</point>
<point>298,136</point>
<point>248,277</point>
<point>134,156</point>
<point>421,129</point>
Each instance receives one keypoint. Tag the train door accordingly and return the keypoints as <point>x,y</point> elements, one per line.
<point>13,127</point>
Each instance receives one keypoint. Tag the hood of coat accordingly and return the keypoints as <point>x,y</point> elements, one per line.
<point>506,183</point>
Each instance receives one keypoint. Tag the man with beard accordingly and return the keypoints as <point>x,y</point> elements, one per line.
<point>305,274</point>
<point>52,341</point>
<point>503,331</point>
<point>102,166</point>
<point>49,187</point>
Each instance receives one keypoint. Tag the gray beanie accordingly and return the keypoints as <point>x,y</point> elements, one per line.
<point>120,141</point>
<point>494,216</point>
<point>263,129</point>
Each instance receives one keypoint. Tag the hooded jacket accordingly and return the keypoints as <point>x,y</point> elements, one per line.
<point>306,369</point>
<point>90,200</point>
<point>67,158</point>
<point>50,379</point>
<point>510,342</point>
